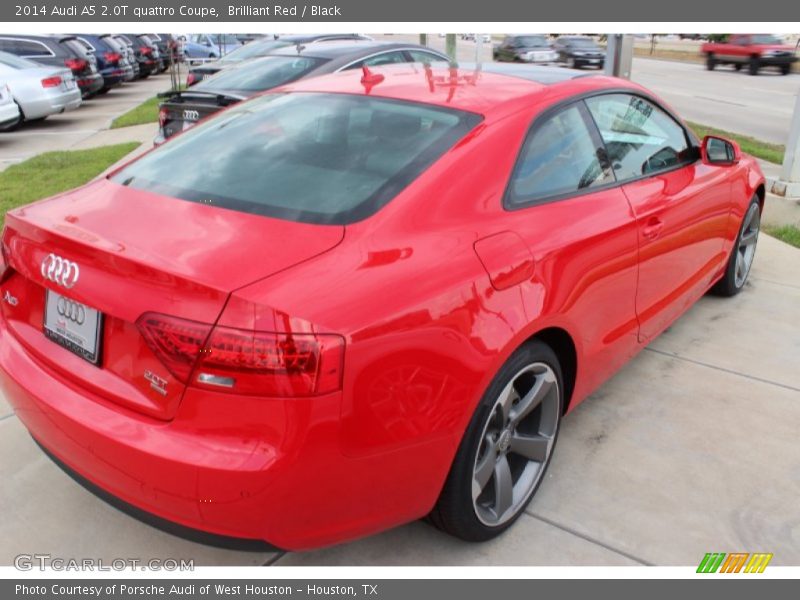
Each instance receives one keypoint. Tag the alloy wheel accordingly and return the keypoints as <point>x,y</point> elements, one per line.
<point>746,250</point>
<point>516,444</point>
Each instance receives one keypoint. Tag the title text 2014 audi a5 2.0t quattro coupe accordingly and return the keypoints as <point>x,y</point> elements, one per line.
<point>364,298</point>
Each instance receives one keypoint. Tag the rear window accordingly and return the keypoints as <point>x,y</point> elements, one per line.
<point>77,47</point>
<point>308,157</point>
<point>264,74</point>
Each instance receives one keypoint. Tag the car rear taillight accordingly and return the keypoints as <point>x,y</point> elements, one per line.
<point>245,362</point>
<point>76,64</point>
<point>5,268</point>
<point>191,79</point>
<point>145,50</point>
<point>49,82</point>
<point>112,57</point>
<point>163,116</point>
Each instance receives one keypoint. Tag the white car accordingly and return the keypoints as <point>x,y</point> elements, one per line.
<point>39,90</point>
<point>9,111</point>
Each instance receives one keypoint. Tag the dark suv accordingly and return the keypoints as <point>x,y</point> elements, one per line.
<point>58,51</point>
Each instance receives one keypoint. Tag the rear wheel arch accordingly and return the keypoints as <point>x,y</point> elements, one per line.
<point>761,193</point>
<point>562,343</point>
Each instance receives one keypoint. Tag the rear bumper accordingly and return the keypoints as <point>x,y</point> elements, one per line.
<point>9,116</point>
<point>112,77</point>
<point>239,467</point>
<point>51,103</point>
<point>90,84</point>
<point>777,61</point>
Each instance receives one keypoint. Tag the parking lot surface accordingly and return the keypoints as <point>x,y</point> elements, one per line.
<point>689,449</point>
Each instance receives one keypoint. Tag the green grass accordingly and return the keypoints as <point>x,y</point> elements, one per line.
<point>54,172</point>
<point>763,150</point>
<point>146,112</point>
<point>786,233</point>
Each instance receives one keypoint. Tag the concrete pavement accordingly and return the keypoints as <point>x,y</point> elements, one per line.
<point>689,449</point>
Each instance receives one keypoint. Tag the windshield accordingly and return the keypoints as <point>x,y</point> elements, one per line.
<point>14,61</point>
<point>532,41</point>
<point>766,39</point>
<point>262,74</point>
<point>253,50</point>
<point>224,38</point>
<point>309,157</point>
<point>582,43</point>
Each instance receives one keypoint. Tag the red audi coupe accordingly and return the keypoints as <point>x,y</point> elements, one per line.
<point>364,298</point>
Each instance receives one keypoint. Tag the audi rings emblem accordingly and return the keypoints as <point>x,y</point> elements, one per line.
<point>71,310</point>
<point>61,271</point>
<point>191,115</point>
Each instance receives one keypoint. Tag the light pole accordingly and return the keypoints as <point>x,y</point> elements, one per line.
<point>789,183</point>
<point>450,45</point>
<point>619,56</point>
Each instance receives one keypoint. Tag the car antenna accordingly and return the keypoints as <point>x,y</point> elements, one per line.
<point>300,47</point>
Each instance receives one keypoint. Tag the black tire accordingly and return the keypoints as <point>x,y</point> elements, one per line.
<point>711,62</point>
<point>737,66</point>
<point>730,284</point>
<point>786,69</point>
<point>456,512</point>
<point>103,91</point>
<point>754,66</point>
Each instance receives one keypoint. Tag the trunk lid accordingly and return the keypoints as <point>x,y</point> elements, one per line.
<point>183,110</point>
<point>139,252</point>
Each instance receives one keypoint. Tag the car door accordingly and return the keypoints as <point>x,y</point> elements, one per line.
<point>681,205</point>
<point>579,226</point>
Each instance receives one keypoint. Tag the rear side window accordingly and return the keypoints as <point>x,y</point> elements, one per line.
<point>641,138</point>
<point>28,48</point>
<point>315,158</point>
<point>561,156</point>
<point>421,56</point>
<point>264,74</point>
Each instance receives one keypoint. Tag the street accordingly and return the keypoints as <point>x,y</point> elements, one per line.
<point>760,106</point>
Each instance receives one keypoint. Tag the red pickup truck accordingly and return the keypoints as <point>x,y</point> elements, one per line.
<point>753,50</point>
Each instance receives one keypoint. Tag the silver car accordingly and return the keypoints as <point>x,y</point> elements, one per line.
<point>9,111</point>
<point>39,91</point>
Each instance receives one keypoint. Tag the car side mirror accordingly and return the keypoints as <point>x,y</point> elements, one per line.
<point>719,151</point>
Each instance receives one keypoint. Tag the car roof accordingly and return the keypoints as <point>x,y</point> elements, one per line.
<point>345,48</point>
<point>491,90</point>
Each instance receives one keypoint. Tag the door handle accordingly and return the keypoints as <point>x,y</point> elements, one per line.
<point>653,228</point>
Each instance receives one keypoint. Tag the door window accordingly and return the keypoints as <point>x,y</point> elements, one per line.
<point>640,138</point>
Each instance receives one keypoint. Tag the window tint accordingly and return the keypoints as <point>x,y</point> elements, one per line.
<point>385,58</point>
<point>29,48</point>
<point>640,137</point>
<point>531,41</point>
<point>316,158</point>
<point>264,74</point>
<point>421,56</point>
<point>561,156</point>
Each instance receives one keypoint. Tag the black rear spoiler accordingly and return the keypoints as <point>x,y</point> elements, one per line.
<point>222,99</point>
